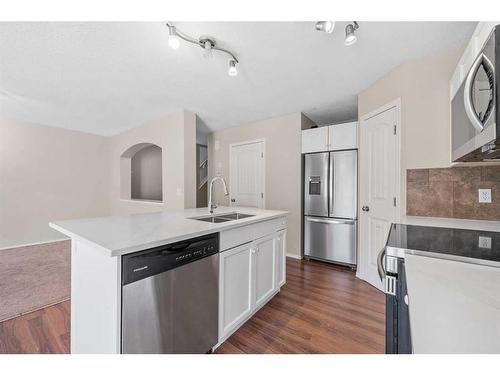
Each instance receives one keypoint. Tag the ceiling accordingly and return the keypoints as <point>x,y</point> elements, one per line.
<point>105,78</point>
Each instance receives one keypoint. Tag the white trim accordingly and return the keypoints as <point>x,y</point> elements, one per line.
<point>62,239</point>
<point>392,104</point>
<point>260,140</point>
<point>294,256</point>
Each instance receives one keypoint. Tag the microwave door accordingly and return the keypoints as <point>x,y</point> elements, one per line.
<point>343,184</point>
<point>316,184</point>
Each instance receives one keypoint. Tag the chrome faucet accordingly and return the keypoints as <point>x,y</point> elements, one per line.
<point>212,205</point>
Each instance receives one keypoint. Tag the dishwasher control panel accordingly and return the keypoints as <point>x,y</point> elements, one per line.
<point>146,263</point>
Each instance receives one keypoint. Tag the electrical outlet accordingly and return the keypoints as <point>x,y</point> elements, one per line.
<point>484,242</point>
<point>484,195</point>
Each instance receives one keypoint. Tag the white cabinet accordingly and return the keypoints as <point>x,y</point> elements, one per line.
<point>264,251</point>
<point>235,288</point>
<point>249,275</point>
<point>343,136</point>
<point>330,138</point>
<point>315,140</point>
<point>281,257</point>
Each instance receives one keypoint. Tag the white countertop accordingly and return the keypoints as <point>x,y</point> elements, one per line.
<point>454,306</point>
<point>120,235</point>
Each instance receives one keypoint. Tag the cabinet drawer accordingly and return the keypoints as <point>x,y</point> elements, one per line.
<point>235,237</point>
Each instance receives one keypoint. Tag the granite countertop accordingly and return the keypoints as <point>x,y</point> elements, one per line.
<point>466,245</point>
<point>118,235</point>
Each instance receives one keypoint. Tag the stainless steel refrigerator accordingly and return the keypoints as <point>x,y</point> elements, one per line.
<point>330,206</point>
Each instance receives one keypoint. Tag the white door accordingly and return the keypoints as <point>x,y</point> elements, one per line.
<point>246,177</point>
<point>235,288</point>
<point>281,257</point>
<point>264,269</point>
<point>378,187</point>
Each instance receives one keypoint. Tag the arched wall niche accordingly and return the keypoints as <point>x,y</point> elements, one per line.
<point>141,173</point>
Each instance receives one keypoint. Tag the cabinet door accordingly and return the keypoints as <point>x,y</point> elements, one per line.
<point>264,269</point>
<point>235,288</point>
<point>281,257</point>
<point>315,140</point>
<point>343,136</point>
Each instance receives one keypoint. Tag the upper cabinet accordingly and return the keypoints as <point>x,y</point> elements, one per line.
<point>315,140</point>
<point>330,138</point>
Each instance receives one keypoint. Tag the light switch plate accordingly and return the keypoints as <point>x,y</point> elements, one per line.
<point>484,242</point>
<point>484,195</point>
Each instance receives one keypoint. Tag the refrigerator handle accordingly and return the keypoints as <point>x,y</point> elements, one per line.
<point>329,221</point>
<point>330,184</point>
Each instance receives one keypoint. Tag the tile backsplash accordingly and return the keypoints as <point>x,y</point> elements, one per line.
<point>453,192</point>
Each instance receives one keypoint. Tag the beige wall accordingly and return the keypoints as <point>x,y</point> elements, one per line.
<point>283,166</point>
<point>174,134</point>
<point>48,173</point>
<point>423,86</point>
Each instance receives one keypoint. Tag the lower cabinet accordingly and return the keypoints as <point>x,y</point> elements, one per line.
<point>249,275</point>
<point>281,256</point>
<point>264,259</point>
<point>235,288</point>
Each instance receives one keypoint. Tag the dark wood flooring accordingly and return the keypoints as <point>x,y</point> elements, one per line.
<point>321,309</point>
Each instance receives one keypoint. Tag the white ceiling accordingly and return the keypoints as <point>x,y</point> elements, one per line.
<point>105,78</point>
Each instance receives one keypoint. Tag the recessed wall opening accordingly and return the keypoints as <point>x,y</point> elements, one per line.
<point>141,173</point>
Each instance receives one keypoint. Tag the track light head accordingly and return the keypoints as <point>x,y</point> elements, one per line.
<point>233,72</point>
<point>325,26</point>
<point>350,36</point>
<point>173,38</point>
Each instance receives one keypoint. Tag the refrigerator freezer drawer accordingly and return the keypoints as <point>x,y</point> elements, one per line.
<point>330,239</point>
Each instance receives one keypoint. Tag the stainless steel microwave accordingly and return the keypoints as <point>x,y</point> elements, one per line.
<point>475,125</point>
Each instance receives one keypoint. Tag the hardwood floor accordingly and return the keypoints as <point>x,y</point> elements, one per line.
<point>321,309</point>
<point>42,331</point>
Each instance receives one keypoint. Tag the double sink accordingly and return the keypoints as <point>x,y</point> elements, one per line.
<point>222,218</point>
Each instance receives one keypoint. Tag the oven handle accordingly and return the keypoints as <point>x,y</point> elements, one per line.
<point>380,264</point>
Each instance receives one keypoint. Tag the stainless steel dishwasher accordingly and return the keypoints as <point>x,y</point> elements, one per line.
<point>170,298</point>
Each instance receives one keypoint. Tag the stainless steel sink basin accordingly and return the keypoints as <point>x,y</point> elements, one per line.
<point>234,216</point>
<point>222,218</point>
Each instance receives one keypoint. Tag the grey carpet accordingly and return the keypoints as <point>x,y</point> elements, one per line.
<point>32,277</point>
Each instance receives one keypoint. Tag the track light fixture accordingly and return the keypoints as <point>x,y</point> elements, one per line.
<point>206,42</point>
<point>350,37</point>
<point>325,26</point>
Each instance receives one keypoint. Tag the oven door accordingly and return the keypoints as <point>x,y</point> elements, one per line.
<point>473,109</point>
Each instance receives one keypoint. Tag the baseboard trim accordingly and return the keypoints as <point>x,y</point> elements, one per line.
<point>294,256</point>
<point>34,244</point>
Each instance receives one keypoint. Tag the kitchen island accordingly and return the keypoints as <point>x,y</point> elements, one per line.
<point>251,265</point>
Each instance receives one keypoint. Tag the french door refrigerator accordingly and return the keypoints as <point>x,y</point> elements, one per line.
<point>330,206</point>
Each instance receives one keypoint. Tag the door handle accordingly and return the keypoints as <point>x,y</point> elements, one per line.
<point>324,221</point>
<point>365,208</point>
